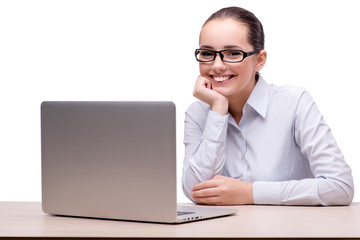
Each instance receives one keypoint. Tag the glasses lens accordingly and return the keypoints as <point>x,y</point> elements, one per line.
<point>205,55</point>
<point>233,55</point>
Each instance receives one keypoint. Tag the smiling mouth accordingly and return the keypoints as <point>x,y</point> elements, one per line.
<point>223,78</point>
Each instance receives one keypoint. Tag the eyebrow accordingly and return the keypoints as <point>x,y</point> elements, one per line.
<point>206,46</point>
<point>225,47</point>
<point>232,47</point>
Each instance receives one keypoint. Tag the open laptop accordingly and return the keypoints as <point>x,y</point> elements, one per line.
<point>114,160</point>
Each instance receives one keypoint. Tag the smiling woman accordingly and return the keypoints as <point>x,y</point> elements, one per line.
<point>237,75</point>
<point>248,142</point>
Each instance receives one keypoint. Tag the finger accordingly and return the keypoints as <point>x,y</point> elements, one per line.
<point>207,192</point>
<point>218,177</point>
<point>208,200</point>
<point>202,80</point>
<point>200,85</point>
<point>206,184</point>
<point>208,84</point>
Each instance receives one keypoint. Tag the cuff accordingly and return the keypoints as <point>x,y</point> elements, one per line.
<point>267,193</point>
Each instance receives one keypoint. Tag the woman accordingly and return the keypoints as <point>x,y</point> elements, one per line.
<point>248,142</point>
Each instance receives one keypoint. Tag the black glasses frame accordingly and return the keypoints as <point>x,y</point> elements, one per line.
<point>245,54</point>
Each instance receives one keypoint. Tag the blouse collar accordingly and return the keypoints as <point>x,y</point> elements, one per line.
<point>259,97</point>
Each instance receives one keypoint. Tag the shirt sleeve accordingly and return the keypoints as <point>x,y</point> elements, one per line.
<point>204,139</point>
<point>332,183</point>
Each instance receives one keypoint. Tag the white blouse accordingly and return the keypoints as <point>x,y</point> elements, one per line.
<point>282,145</point>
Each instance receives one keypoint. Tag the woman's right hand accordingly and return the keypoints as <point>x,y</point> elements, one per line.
<point>204,92</point>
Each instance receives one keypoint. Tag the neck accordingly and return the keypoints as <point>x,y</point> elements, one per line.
<point>237,102</point>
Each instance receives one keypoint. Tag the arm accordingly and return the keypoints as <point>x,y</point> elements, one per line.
<point>332,183</point>
<point>205,141</point>
<point>205,135</point>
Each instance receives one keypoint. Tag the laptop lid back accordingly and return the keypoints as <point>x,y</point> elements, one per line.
<point>109,159</point>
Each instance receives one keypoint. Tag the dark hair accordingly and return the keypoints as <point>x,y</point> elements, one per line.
<point>256,35</point>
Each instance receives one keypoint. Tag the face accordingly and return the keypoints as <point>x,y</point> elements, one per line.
<point>229,79</point>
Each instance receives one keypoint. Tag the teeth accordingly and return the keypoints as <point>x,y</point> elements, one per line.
<point>221,78</point>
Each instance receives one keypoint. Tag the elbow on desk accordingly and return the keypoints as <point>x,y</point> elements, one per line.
<point>187,192</point>
<point>335,193</point>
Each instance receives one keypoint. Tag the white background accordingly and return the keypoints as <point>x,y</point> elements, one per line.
<point>143,50</point>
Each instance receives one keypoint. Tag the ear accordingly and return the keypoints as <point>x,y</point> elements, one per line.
<point>261,60</point>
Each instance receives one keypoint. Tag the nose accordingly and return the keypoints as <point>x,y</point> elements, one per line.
<point>218,65</point>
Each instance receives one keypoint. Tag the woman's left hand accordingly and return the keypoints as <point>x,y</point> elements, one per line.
<point>222,190</point>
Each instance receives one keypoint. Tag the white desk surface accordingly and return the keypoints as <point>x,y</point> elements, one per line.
<point>26,219</point>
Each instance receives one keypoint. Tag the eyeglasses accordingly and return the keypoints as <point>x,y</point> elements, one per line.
<point>228,55</point>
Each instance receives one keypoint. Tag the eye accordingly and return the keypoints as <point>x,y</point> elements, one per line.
<point>206,53</point>
<point>233,53</point>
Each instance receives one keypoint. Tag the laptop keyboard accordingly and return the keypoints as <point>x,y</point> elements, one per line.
<point>181,213</point>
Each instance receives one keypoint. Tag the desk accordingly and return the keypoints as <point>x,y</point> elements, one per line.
<point>26,219</point>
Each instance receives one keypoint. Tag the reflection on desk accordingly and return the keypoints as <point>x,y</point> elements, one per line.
<point>26,219</point>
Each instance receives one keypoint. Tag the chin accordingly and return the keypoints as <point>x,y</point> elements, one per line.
<point>222,91</point>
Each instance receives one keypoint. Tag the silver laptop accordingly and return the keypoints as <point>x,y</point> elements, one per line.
<point>114,160</point>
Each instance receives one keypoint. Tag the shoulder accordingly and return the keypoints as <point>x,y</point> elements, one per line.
<point>289,96</point>
<point>287,92</point>
<point>278,98</point>
<point>288,100</point>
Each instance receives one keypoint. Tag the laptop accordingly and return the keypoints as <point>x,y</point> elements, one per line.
<point>113,160</point>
